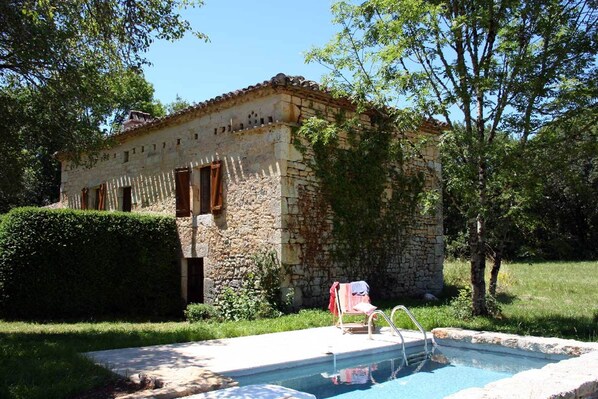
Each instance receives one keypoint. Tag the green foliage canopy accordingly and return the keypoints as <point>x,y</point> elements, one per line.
<point>68,70</point>
<point>510,66</point>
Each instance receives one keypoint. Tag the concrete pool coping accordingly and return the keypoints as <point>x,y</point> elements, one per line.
<point>195,367</point>
<point>572,378</point>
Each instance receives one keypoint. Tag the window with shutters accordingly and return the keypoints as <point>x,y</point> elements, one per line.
<point>96,196</point>
<point>207,189</point>
<point>183,198</point>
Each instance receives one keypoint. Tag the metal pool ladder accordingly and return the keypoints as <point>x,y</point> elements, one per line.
<point>395,330</point>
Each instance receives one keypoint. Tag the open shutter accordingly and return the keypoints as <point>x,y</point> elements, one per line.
<point>84,198</point>
<point>183,199</point>
<point>102,197</point>
<point>216,187</point>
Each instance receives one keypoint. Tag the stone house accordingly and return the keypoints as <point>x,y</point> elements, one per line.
<point>228,170</point>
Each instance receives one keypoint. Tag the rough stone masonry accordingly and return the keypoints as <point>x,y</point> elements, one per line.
<point>237,149</point>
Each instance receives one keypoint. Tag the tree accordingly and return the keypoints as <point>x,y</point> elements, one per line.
<point>566,207</point>
<point>39,39</point>
<point>495,67</point>
<point>130,91</point>
<point>68,70</point>
<point>177,105</point>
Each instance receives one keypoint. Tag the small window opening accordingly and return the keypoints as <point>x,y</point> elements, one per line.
<point>126,157</point>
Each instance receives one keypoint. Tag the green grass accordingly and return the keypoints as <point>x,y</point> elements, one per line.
<point>550,299</point>
<point>44,361</point>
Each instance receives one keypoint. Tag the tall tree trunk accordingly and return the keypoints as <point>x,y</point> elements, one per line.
<point>477,242</point>
<point>494,273</point>
<point>478,266</point>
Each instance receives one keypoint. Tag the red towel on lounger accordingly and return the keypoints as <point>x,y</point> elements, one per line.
<point>332,303</point>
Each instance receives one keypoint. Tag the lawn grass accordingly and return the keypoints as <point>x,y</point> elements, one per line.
<point>44,361</point>
<point>556,299</point>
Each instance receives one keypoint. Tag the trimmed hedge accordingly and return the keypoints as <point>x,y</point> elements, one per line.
<point>67,264</point>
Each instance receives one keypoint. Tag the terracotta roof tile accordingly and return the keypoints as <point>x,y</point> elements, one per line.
<point>279,80</point>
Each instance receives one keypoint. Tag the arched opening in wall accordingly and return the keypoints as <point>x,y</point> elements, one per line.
<point>195,283</point>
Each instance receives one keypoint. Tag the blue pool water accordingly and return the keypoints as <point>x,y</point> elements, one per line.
<point>386,376</point>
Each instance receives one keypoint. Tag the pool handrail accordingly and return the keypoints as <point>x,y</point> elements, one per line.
<point>392,326</point>
<point>414,320</point>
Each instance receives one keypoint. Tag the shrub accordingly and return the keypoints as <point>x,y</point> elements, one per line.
<point>62,264</point>
<point>461,305</point>
<point>259,295</point>
<point>245,303</point>
<point>200,312</point>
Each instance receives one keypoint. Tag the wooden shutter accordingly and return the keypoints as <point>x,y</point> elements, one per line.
<point>183,199</point>
<point>216,187</point>
<point>102,197</point>
<point>84,198</point>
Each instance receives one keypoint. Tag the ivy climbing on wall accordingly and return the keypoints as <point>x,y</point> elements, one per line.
<point>368,181</point>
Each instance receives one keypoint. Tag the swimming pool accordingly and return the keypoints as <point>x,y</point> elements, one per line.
<point>385,374</point>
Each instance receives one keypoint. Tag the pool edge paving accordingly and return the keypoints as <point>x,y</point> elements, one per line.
<point>196,367</point>
<point>572,378</point>
<point>180,367</point>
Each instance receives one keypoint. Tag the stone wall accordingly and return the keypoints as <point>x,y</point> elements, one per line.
<point>308,225</point>
<point>250,221</point>
<point>272,199</point>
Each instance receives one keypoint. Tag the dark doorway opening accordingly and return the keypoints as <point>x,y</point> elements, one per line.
<point>127,199</point>
<point>195,280</point>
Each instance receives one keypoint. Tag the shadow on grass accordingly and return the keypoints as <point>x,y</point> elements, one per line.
<point>45,361</point>
<point>50,364</point>
<point>505,298</point>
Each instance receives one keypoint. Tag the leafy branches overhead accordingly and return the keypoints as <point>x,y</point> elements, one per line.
<point>68,69</point>
<point>40,39</point>
<point>507,64</point>
<point>488,68</point>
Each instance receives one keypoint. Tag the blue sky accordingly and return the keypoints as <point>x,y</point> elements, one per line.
<point>250,41</point>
